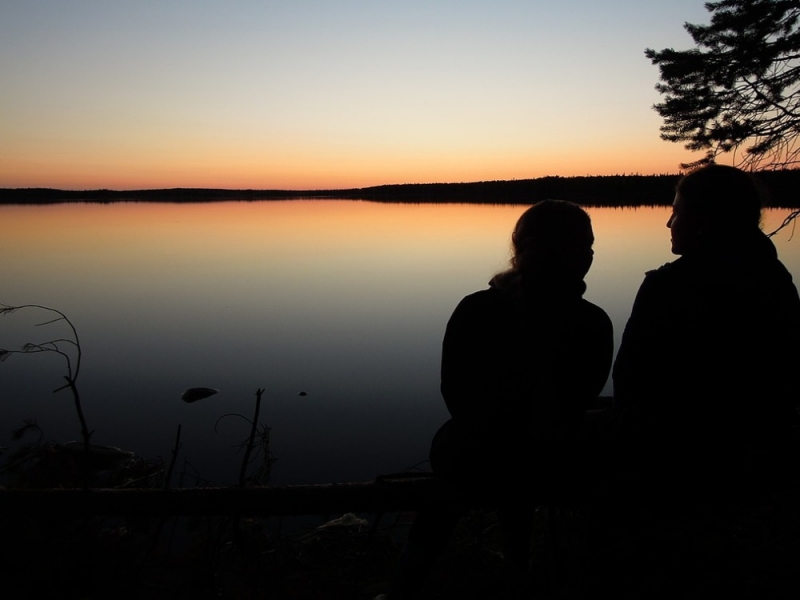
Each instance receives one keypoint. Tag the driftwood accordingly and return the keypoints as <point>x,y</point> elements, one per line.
<point>386,494</point>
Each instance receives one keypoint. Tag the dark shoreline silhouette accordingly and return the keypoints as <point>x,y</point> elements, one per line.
<point>602,190</point>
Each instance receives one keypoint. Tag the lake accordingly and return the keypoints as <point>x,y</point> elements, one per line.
<point>336,308</point>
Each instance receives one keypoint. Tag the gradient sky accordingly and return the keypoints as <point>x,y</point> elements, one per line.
<point>309,94</point>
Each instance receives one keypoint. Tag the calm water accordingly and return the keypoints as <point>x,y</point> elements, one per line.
<point>344,300</point>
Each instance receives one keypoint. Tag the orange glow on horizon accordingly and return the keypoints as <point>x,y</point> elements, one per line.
<point>297,172</point>
<point>277,96</point>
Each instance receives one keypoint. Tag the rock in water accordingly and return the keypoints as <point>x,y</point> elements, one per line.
<point>197,393</point>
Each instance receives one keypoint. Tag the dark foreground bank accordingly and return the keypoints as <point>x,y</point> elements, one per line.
<point>746,552</point>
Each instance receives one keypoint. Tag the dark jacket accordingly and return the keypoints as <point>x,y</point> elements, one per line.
<point>705,373</point>
<point>519,371</point>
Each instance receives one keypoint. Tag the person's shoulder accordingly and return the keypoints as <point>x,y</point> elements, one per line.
<point>489,294</point>
<point>480,299</point>
<point>591,307</point>
<point>594,312</point>
<point>667,274</point>
<point>670,269</point>
<point>476,310</point>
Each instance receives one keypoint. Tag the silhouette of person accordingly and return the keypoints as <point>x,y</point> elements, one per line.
<point>521,362</point>
<point>704,390</point>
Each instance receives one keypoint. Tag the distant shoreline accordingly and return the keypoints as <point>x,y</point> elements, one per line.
<point>602,190</point>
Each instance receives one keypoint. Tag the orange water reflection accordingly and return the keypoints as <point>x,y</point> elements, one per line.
<point>346,300</point>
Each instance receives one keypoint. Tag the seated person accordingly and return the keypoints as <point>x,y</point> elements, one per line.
<point>521,363</point>
<point>704,384</point>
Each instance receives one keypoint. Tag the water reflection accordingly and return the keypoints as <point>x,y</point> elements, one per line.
<point>345,300</point>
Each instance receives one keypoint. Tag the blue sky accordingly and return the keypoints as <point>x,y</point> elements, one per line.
<point>330,94</point>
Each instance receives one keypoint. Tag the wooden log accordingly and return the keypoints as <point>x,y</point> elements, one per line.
<point>383,495</point>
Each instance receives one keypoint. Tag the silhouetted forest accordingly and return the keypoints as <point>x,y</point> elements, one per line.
<point>607,190</point>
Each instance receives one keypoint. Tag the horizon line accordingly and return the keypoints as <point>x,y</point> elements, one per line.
<point>344,189</point>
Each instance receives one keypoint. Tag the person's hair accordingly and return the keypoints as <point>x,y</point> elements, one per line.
<point>552,245</point>
<point>723,198</point>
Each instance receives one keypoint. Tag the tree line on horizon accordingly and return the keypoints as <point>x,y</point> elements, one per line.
<point>602,190</point>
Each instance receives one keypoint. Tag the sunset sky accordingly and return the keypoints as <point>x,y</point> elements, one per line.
<point>310,94</point>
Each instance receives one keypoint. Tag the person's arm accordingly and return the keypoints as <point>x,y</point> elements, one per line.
<point>597,354</point>
<point>471,360</point>
<point>586,365</point>
<point>460,360</point>
<point>639,363</point>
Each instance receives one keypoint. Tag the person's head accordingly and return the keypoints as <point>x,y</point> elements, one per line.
<point>712,202</point>
<point>553,239</point>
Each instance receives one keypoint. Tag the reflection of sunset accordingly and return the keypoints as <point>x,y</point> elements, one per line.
<point>345,299</point>
<point>303,244</point>
<point>228,233</point>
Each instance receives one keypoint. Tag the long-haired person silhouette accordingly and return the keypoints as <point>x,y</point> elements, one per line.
<point>521,362</point>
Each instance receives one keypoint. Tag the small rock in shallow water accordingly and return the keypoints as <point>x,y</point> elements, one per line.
<point>198,393</point>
